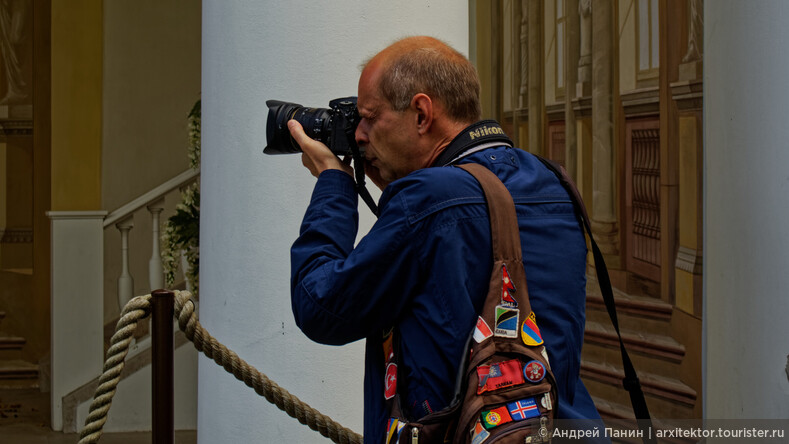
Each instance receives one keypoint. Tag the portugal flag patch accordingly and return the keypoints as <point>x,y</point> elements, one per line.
<point>495,417</point>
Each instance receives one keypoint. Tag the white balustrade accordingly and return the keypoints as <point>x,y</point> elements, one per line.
<point>123,219</point>
<point>125,281</point>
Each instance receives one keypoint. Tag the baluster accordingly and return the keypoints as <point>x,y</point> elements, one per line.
<point>185,269</point>
<point>155,267</point>
<point>125,281</point>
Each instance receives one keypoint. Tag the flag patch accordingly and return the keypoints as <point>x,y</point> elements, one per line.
<point>507,288</point>
<point>496,417</point>
<point>390,381</point>
<point>393,429</point>
<point>482,331</point>
<point>478,433</point>
<point>506,321</point>
<point>530,333</point>
<point>499,375</point>
<point>523,409</point>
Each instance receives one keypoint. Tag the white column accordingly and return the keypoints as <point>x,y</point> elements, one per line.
<point>77,325</point>
<point>252,204</point>
<point>746,206</point>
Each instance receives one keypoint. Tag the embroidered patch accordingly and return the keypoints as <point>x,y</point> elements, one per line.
<point>482,331</point>
<point>495,417</point>
<point>393,430</point>
<point>544,353</point>
<point>534,371</point>
<point>478,433</point>
<point>499,375</point>
<point>388,349</point>
<point>390,383</point>
<point>523,409</point>
<point>507,288</point>
<point>530,333</point>
<point>506,322</point>
<point>546,402</point>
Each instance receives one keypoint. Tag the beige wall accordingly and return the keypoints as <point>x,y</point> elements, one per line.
<point>151,80</point>
<point>550,42</point>
<point>76,104</point>
<point>627,45</point>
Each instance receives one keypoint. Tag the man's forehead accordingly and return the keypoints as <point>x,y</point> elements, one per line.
<point>369,94</point>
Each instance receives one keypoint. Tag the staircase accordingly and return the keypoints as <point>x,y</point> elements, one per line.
<point>646,327</point>
<point>14,371</point>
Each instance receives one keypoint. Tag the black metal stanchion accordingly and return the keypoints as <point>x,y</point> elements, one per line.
<point>162,349</point>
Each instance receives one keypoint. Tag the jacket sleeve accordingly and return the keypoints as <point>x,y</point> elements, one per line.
<point>339,293</point>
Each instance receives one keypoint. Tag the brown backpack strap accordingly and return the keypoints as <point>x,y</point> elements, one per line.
<point>505,240</point>
<point>503,221</point>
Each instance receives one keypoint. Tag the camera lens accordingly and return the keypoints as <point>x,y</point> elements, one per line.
<point>315,121</point>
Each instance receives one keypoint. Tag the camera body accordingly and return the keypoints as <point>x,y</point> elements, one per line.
<point>334,126</point>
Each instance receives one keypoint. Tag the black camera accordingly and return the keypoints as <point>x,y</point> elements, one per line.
<point>334,126</point>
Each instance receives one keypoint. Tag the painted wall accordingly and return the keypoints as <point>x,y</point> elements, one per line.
<point>626,39</point>
<point>151,81</point>
<point>76,105</point>
<point>746,207</point>
<point>305,52</point>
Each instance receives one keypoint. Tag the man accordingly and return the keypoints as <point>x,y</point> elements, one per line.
<point>424,267</point>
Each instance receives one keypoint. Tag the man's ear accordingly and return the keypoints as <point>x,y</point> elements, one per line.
<point>423,107</point>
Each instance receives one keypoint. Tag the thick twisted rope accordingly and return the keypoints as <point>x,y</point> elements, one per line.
<point>136,309</point>
<point>290,404</point>
<point>208,345</point>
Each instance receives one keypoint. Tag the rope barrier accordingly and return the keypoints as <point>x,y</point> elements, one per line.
<point>138,308</point>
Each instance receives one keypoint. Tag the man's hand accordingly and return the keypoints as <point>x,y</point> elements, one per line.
<point>316,156</point>
<point>374,175</point>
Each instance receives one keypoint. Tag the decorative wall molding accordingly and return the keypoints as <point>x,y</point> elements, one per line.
<point>554,112</point>
<point>12,127</point>
<point>16,236</point>
<point>641,102</point>
<point>689,260</point>
<point>582,105</point>
<point>689,94</point>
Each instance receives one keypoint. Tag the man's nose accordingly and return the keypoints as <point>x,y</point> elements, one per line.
<point>361,133</point>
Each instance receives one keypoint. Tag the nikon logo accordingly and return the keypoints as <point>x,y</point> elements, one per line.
<point>485,131</point>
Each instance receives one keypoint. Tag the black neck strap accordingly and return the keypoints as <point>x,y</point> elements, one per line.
<point>482,132</point>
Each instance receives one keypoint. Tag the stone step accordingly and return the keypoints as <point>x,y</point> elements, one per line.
<point>654,345</point>
<point>18,374</point>
<point>643,314</point>
<point>666,397</point>
<point>657,353</point>
<point>621,417</point>
<point>11,347</point>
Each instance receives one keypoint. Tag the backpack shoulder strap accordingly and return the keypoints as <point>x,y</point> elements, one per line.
<point>630,382</point>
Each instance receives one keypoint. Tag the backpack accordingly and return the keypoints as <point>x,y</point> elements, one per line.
<point>505,390</point>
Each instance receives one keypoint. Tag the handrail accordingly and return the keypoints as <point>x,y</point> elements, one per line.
<point>176,182</point>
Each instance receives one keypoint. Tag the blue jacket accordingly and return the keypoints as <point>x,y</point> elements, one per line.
<point>425,266</point>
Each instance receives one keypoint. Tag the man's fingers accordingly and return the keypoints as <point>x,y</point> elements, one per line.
<point>298,134</point>
<point>316,156</point>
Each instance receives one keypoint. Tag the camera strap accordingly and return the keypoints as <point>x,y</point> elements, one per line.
<point>484,132</point>
<point>358,170</point>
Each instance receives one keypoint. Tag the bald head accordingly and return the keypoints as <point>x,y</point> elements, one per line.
<point>427,65</point>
